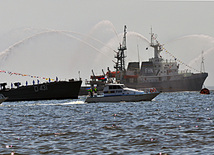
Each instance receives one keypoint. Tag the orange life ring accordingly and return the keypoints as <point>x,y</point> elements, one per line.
<point>205,91</point>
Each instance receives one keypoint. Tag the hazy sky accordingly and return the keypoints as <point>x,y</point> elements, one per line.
<point>184,27</point>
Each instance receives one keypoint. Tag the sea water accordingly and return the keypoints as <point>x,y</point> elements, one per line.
<point>173,123</point>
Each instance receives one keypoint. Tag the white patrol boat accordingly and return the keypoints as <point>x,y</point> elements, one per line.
<point>120,93</point>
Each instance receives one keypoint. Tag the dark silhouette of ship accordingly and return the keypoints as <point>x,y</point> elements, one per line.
<point>44,91</point>
<point>162,74</point>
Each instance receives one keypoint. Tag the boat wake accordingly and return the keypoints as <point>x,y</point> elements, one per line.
<point>73,102</point>
<point>44,103</point>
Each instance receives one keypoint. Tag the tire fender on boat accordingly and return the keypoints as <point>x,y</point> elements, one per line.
<point>36,89</point>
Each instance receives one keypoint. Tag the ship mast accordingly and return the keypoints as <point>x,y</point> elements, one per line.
<point>202,62</point>
<point>157,47</point>
<point>120,56</point>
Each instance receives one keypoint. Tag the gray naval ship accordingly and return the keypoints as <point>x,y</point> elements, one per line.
<point>162,74</point>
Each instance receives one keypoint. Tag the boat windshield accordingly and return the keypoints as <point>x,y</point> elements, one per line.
<point>122,86</point>
<point>116,87</point>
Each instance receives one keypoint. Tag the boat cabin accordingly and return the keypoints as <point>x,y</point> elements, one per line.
<point>119,89</point>
<point>113,89</point>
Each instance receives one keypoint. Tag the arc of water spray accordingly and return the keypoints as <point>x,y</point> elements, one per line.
<point>6,52</point>
<point>199,56</point>
<point>53,30</point>
<point>93,29</point>
<point>105,22</point>
<point>138,35</point>
<point>65,31</point>
<point>200,36</point>
<point>86,36</point>
<point>87,44</point>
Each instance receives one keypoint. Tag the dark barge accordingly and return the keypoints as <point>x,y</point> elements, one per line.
<point>44,91</point>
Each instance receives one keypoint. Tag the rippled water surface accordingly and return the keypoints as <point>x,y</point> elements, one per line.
<point>173,123</point>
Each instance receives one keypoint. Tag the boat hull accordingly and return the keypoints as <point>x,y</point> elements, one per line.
<point>44,91</point>
<point>126,98</point>
<point>190,83</point>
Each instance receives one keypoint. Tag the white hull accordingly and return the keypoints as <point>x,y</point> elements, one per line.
<point>125,98</point>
